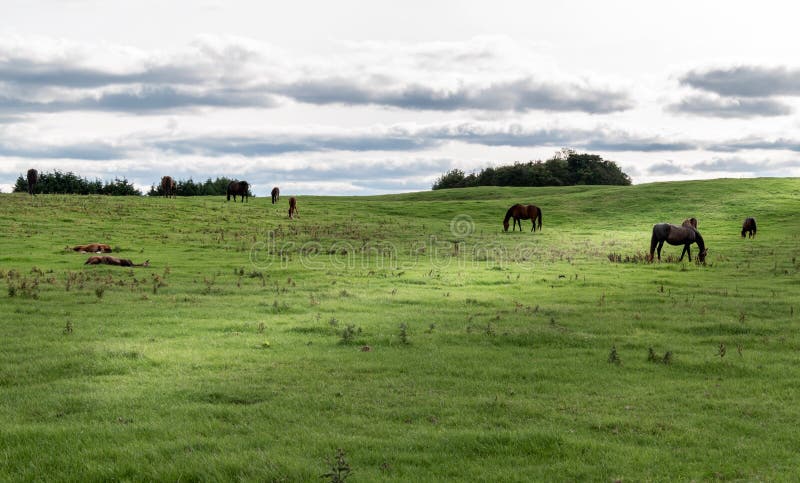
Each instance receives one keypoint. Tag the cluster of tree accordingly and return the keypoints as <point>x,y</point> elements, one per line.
<point>565,168</point>
<point>217,187</point>
<point>70,183</point>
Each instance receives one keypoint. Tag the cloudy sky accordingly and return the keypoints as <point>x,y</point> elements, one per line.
<point>358,97</point>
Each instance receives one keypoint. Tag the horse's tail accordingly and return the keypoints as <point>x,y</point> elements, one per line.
<point>540,219</point>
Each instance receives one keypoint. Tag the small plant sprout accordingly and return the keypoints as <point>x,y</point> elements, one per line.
<point>340,468</point>
<point>721,351</point>
<point>613,356</point>
<point>404,333</point>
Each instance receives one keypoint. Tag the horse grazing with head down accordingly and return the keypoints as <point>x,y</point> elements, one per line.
<point>523,212</point>
<point>749,227</point>
<point>33,178</point>
<point>292,207</point>
<point>276,195</point>
<point>677,235</point>
<point>241,188</point>
<point>168,187</point>
<point>109,260</point>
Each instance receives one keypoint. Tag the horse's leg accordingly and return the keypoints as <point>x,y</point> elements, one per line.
<point>660,244</point>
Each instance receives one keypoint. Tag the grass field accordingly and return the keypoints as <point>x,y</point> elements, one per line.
<point>407,330</point>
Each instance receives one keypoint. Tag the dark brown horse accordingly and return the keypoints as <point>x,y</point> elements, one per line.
<point>168,187</point>
<point>523,212</point>
<point>749,227</point>
<point>109,260</point>
<point>241,188</point>
<point>276,194</point>
<point>690,222</point>
<point>33,178</point>
<point>292,207</point>
<point>677,235</point>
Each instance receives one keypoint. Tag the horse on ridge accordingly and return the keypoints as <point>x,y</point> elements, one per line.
<point>276,195</point>
<point>240,188</point>
<point>33,178</point>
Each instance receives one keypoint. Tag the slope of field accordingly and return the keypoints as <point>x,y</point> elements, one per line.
<point>407,330</point>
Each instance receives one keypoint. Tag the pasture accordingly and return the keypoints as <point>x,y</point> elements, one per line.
<point>408,330</point>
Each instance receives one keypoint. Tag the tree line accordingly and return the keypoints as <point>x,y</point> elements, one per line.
<point>217,187</point>
<point>565,168</point>
<point>70,183</point>
<point>58,182</point>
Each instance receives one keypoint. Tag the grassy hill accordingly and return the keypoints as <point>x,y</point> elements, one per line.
<point>407,330</point>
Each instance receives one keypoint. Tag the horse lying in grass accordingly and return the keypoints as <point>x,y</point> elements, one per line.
<point>92,248</point>
<point>677,235</point>
<point>120,262</point>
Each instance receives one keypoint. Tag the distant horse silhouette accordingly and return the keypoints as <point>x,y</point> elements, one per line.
<point>677,235</point>
<point>240,188</point>
<point>168,187</point>
<point>690,222</point>
<point>292,207</point>
<point>749,227</point>
<point>33,178</point>
<point>276,194</point>
<point>108,260</point>
<point>523,212</point>
<point>93,248</point>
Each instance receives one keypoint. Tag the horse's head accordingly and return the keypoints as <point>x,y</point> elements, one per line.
<point>702,255</point>
<point>505,225</point>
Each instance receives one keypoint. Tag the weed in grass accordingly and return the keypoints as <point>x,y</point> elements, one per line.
<point>333,322</point>
<point>667,359</point>
<point>99,291</point>
<point>721,350</point>
<point>68,327</point>
<point>651,355</point>
<point>261,327</point>
<point>489,330</point>
<point>613,356</point>
<point>344,293</point>
<point>349,334</point>
<point>404,333</point>
<point>158,282</point>
<point>430,328</point>
<point>340,468</point>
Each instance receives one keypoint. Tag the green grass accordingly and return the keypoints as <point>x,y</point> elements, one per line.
<point>225,358</point>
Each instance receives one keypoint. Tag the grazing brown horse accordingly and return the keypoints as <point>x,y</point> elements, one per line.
<point>168,187</point>
<point>276,194</point>
<point>523,212</point>
<point>690,222</point>
<point>108,260</point>
<point>241,188</point>
<point>677,235</point>
<point>93,248</point>
<point>292,207</point>
<point>33,178</point>
<point>749,227</point>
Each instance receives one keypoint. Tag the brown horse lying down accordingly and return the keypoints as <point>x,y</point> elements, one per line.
<point>107,260</point>
<point>93,248</point>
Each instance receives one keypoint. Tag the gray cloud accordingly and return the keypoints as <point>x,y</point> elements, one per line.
<point>756,143</point>
<point>666,168</point>
<point>520,95</point>
<point>746,81</point>
<point>726,107</point>
<point>88,151</point>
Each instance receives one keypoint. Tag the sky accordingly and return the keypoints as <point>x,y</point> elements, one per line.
<point>367,97</point>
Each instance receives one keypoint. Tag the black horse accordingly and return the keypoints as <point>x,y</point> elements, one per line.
<point>276,195</point>
<point>749,227</point>
<point>33,178</point>
<point>241,188</point>
<point>677,235</point>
